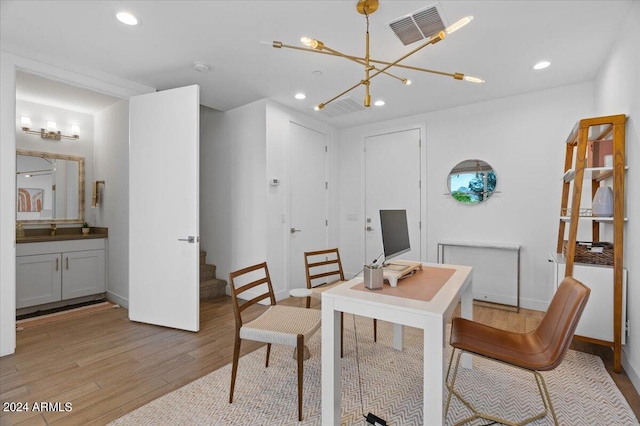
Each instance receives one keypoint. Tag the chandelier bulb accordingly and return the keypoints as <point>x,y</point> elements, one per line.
<point>473,79</point>
<point>312,43</point>
<point>461,23</point>
<point>406,81</point>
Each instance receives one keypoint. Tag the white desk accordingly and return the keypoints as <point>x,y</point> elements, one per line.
<point>430,316</point>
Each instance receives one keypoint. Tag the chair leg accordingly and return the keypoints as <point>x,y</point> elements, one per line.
<point>342,334</point>
<point>300,347</point>
<point>375,330</point>
<point>308,302</point>
<point>234,368</point>
<point>539,381</point>
<point>266,364</point>
<point>479,415</point>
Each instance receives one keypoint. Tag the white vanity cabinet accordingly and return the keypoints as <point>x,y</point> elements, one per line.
<point>597,318</point>
<point>59,270</point>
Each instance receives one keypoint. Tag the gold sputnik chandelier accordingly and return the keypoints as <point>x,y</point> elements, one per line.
<point>366,8</point>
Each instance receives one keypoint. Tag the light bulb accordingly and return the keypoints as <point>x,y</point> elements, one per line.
<point>406,81</point>
<point>52,127</point>
<point>473,79</point>
<point>75,130</point>
<point>379,102</point>
<point>461,23</point>
<point>300,96</point>
<point>312,43</point>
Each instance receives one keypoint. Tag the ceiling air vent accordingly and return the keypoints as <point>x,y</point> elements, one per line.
<point>341,107</point>
<point>420,24</point>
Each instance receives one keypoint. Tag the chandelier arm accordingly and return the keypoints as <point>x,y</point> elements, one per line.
<point>432,40</point>
<point>357,60</point>
<point>410,67</point>
<point>360,60</point>
<point>342,94</point>
<point>332,52</point>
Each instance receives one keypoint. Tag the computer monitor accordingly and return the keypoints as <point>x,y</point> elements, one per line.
<point>395,233</point>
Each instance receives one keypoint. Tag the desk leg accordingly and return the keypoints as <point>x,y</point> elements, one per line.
<point>398,336</point>
<point>466,311</point>
<point>434,363</point>
<point>331,385</point>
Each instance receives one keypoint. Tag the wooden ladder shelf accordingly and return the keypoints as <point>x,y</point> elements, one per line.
<point>606,128</point>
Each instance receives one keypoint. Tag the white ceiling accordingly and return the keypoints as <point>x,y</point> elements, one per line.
<point>500,45</point>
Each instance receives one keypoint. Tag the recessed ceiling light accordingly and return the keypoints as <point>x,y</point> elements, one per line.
<point>379,103</point>
<point>300,96</point>
<point>127,18</point>
<point>541,65</point>
<point>200,67</point>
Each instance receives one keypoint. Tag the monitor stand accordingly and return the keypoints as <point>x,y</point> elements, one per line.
<point>397,269</point>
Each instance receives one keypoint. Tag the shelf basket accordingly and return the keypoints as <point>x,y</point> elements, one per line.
<point>588,252</point>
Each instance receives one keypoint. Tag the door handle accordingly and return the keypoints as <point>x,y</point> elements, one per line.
<point>369,228</point>
<point>67,262</point>
<point>294,230</point>
<point>190,239</point>
<point>57,259</point>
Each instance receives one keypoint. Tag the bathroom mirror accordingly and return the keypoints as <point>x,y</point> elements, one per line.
<point>472,181</point>
<point>49,187</point>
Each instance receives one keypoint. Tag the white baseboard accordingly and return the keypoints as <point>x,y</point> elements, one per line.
<point>115,298</point>
<point>535,305</point>
<point>632,371</point>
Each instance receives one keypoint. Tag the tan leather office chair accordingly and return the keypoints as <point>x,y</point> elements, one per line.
<point>283,325</point>
<point>540,350</point>
<point>319,265</point>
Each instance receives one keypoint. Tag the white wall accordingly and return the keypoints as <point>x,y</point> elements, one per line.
<point>240,150</point>
<point>522,137</point>
<point>232,196</point>
<point>617,90</point>
<point>112,165</point>
<point>9,64</point>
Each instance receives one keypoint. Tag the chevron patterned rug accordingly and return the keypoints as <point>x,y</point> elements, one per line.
<point>581,390</point>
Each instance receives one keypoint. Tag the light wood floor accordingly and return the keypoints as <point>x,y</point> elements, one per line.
<point>106,365</point>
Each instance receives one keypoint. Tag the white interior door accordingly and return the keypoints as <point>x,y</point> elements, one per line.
<point>392,181</point>
<point>308,198</point>
<point>164,208</point>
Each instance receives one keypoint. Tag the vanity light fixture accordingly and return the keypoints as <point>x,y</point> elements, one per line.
<point>50,131</point>
<point>373,67</point>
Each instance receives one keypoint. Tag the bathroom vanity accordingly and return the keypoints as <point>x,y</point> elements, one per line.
<point>66,266</point>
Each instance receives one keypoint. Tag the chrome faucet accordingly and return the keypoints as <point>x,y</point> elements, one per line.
<point>54,227</point>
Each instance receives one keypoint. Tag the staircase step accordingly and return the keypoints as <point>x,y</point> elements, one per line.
<point>212,288</point>
<point>207,272</point>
